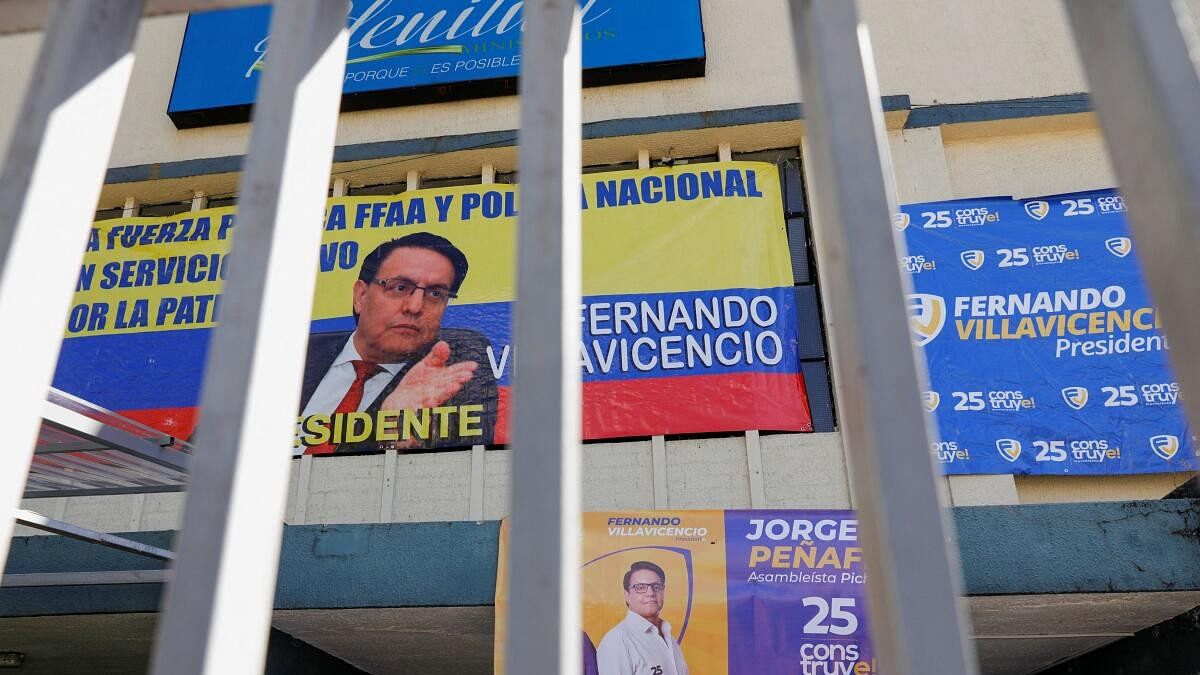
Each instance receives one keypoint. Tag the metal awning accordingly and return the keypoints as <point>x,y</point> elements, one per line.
<point>83,449</point>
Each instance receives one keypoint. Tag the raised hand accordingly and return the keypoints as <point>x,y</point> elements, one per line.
<point>430,382</point>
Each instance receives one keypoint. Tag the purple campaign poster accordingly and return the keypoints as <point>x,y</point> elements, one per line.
<point>796,594</point>
<point>710,592</point>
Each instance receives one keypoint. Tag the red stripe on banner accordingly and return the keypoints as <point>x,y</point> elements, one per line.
<point>691,404</point>
<point>177,422</point>
<point>686,405</point>
<point>503,405</point>
<point>695,404</point>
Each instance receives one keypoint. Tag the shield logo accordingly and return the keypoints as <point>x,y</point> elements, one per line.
<point>1037,209</point>
<point>927,315</point>
<point>1119,246</point>
<point>1076,397</point>
<point>972,259</point>
<point>1009,448</point>
<point>900,221</point>
<point>931,399</point>
<point>1164,445</point>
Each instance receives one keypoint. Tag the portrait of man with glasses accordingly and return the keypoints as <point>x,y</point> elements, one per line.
<point>399,357</point>
<point>643,643</point>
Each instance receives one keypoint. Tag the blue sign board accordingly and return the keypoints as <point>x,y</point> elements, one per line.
<point>1043,345</point>
<point>404,52</point>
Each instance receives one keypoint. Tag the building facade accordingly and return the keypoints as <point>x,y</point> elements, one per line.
<point>981,98</point>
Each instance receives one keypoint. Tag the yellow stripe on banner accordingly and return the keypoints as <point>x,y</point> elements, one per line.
<point>689,228</point>
<point>683,245</point>
<point>149,274</point>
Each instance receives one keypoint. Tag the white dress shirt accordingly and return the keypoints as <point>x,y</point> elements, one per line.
<point>332,388</point>
<point>634,647</point>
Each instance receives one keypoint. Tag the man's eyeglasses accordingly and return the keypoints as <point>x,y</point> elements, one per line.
<point>399,287</point>
<point>641,589</point>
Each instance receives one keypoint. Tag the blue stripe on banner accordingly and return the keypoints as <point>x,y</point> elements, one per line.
<point>624,337</point>
<point>654,335</point>
<point>690,333</point>
<point>161,369</point>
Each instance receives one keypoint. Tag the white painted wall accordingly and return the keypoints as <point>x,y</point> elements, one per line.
<point>1029,165</point>
<point>799,471</point>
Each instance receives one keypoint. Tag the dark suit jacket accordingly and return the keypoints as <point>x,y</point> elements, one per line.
<point>465,345</point>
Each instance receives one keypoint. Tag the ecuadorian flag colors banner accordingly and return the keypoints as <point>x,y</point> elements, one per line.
<point>688,320</point>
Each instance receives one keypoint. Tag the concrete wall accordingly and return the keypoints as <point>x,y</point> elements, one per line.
<point>798,471</point>
<point>934,51</point>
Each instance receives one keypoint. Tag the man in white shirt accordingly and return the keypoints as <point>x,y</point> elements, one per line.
<point>642,644</point>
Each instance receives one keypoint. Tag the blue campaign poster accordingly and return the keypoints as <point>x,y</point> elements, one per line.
<point>1043,345</point>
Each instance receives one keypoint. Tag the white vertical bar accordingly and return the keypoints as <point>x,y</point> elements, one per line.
<point>389,486</point>
<point>724,152</point>
<point>643,159</point>
<point>199,200</point>
<point>913,576</point>
<point>478,483</point>
<point>131,207</point>
<point>340,187</point>
<point>217,611</point>
<point>544,604</point>
<point>300,516</point>
<point>658,467</point>
<point>412,181</point>
<point>488,175</point>
<point>49,185</point>
<point>754,466</point>
<point>1147,95</point>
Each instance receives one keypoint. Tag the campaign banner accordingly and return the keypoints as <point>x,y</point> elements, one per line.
<point>688,322</point>
<point>763,592</point>
<point>418,51</point>
<point>1043,345</point>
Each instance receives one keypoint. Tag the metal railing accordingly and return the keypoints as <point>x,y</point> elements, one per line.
<point>218,605</point>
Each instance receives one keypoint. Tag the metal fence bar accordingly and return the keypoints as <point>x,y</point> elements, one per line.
<point>35,579</point>
<point>40,522</point>
<point>49,185</point>
<point>913,580</point>
<point>110,437</point>
<point>1147,96</point>
<point>217,611</point>
<point>544,607</point>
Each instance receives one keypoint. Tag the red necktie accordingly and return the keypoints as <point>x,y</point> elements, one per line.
<point>363,371</point>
